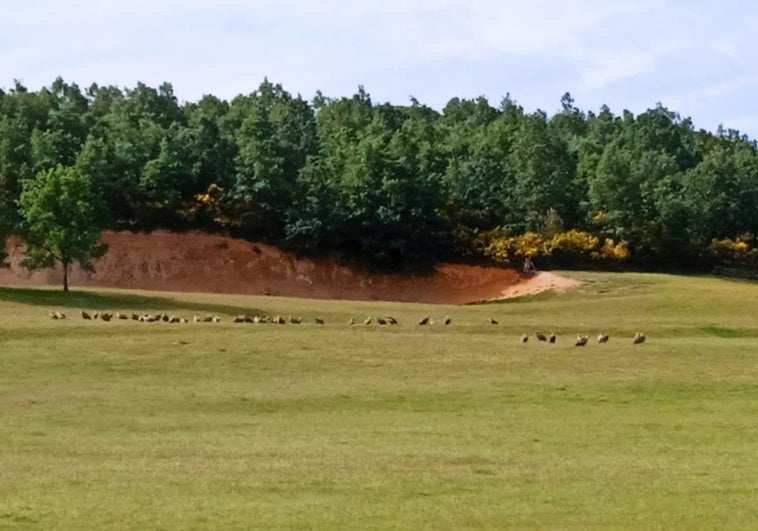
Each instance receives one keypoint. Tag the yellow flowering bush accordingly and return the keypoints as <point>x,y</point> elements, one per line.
<point>573,241</point>
<point>569,246</point>
<point>738,251</point>
<point>210,204</point>
<point>612,251</point>
<point>728,249</point>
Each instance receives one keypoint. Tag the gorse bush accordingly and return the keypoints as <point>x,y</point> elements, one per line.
<point>570,247</point>
<point>739,251</point>
<point>573,242</point>
<point>210,208</point>
<point>613,251</point>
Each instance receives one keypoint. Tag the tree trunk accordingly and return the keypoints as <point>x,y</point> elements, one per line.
<point>65,277</point>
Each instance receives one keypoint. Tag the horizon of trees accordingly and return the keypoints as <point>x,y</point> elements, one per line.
<point>384,185</point>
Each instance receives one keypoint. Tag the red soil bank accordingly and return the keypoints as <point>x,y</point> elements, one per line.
<point>211,263</point>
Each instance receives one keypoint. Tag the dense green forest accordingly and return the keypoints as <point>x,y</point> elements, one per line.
<point>387,185</point>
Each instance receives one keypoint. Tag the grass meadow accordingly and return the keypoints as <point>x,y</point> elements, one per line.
<point>201,425</point>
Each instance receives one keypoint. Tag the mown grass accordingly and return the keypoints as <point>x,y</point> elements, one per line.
<point>137,425</point>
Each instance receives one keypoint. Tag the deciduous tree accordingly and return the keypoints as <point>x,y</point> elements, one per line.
<point>62,221</point>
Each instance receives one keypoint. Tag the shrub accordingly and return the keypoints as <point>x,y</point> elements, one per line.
<point>210,208</point>
<point>613,251</point>
<point>574,242</point>
<point>739,251</point>
<point>564,248</point>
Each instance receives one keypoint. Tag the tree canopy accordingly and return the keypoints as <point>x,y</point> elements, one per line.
<point>62,220</point>
<point>387,185</point>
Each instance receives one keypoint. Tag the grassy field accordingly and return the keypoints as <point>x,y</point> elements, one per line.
<point>201,425</point>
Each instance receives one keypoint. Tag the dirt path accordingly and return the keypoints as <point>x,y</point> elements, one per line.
<point>218,264</point>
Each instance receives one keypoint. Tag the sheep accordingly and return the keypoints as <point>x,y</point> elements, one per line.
<point>208,319</point>
<point>639,337</point>
<point>602,338</point>
<point>493,321</point>
<point>381,321</point>
<point>367,321</point>
<point>105,316</point>
<point>351,322</point>
<point>581,340</point>
<point>121,316</point>
<point>448,320</point>
<point>552,338</point>
<point>391,320</point>
<point>85,315</point>
<point>540,336</point>
<point>525,338</point>
<point>239,319</point>
<point>295,320</point>
<point>56,315</point>
<point>135,316</point>
<point>216,319</point>
<point>318,321</point>
<point>424,320</point>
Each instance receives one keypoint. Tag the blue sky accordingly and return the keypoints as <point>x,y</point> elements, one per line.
<point>695,57</point>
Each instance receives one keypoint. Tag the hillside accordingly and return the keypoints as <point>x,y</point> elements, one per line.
<point>200,262</point>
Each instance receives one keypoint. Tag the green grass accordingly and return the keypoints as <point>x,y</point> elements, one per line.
<point>157,426</point>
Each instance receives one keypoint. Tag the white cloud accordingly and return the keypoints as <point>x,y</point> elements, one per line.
<point>609,66</point>
<point>715,90</point>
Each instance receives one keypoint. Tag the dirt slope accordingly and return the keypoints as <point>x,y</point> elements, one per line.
<point>212,263</point>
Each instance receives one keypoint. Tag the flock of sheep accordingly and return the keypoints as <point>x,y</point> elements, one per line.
<point>581,340</point>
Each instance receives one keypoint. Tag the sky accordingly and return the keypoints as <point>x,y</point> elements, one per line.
<point>697,58</point>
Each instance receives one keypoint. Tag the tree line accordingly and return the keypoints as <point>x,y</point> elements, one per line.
<point>384,185</point>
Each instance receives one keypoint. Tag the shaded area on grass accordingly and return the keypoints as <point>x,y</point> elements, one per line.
<point>110,301</point>
<point>725,332</point>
